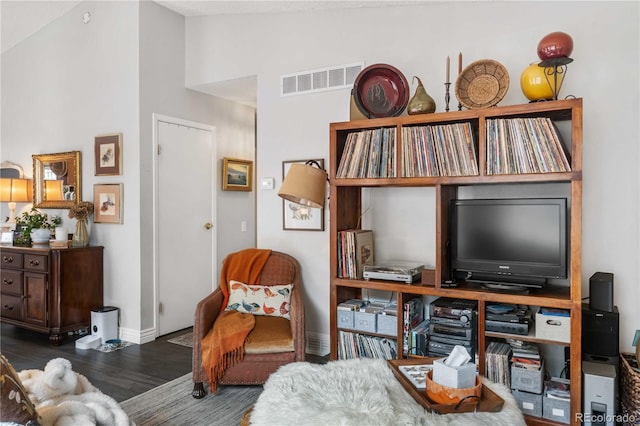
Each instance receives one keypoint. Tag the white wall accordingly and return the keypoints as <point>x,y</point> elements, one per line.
<point>162,91</point>
<point>60,88</point>
<point>72,81</point>
<point>416,39</point>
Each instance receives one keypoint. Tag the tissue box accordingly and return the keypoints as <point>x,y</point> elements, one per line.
<point>463,376</point>
<point>553,327</point>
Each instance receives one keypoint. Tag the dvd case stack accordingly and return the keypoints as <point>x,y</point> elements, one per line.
<point>497,361</point>
<point>355,345</point>
<point>413,314</point>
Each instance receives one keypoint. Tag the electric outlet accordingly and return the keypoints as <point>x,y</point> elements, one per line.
<point>243,226</point>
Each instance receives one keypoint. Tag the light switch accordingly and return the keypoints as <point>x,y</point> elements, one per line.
<point>268,183</point>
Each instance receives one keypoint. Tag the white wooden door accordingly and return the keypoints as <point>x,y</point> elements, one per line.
<point>185,231</point>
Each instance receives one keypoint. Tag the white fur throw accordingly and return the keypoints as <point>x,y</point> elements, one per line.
<point>64,398</point>
<point>358,392</point>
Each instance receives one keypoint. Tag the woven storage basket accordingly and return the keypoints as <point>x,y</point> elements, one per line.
<point>629,391</point>
<point>482,84</point>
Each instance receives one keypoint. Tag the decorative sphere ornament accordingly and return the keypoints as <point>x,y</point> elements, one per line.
<point>555,45</point>
<point>535,85</point>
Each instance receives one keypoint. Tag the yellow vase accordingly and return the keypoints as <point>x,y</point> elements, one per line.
<point>536,85</point>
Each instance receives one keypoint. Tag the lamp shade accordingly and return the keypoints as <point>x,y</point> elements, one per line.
<point>305,185</point>
<point>53,190</point>
<point>15,190</point>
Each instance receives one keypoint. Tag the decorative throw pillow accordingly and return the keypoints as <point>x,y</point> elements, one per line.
<point>15,405</point>
<point>273,300</point>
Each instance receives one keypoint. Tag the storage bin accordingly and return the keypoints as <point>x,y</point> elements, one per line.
<point>527,380</point>
<point>365,321</point>
<point>345,319</point>
<point>387,324</point>
<point>529,403</point>
<point>555,409</point>
<point>553,327</point>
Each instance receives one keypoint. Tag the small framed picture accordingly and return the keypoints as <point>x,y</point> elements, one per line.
<point>107,202</point>
<point>7,237</point>
<point>296,217</point>
<point>108,154</point>
<point>237,175</point>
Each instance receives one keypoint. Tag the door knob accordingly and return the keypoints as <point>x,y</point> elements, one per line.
<point>208,225</point>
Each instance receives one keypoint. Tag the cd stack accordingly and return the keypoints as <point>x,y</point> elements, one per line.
<point>452,322</point>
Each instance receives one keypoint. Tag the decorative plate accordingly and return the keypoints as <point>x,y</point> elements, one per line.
<point>381,90</point>
<point>482,84</point>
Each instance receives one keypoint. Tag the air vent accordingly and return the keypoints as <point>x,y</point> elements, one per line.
<point>320,80</point>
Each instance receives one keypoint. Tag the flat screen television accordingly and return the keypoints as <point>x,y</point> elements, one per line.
<point>509,244</point>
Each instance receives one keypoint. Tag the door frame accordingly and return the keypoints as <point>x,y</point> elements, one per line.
<point>156,119</point>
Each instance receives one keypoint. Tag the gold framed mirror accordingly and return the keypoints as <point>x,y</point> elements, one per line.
<point>56,180</point>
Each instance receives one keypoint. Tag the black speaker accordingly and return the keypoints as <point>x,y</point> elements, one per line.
<point>600,333</point>
<point>601,291</point>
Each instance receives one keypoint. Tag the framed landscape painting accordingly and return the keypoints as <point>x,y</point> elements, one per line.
<point>237,175</point>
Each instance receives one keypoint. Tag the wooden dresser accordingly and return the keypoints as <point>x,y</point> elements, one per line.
<point>50,290</point>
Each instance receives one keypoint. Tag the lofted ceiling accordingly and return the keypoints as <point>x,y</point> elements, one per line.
<point>20,19</point>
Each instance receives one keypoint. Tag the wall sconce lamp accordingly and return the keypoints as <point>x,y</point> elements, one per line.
<point>53,190</point>
<point>12,191</point>
<point>305,185</point>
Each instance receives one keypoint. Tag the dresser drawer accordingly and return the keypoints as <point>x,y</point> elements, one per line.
<point>11,260</point>
<point>11,282</point>
<point>35,262</point>
<point>11,307</point>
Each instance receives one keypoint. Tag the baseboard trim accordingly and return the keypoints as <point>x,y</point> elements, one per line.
<point>136,336</point>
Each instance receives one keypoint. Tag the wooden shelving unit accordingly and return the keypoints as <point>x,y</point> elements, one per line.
<point>346,210</point>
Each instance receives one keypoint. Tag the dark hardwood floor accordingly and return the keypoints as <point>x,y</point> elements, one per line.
<point>121,374</point>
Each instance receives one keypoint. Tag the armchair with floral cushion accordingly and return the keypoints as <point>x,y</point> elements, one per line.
<point>260,297</point>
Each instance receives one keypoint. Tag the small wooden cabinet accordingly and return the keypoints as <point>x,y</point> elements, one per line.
<point>50,290</point>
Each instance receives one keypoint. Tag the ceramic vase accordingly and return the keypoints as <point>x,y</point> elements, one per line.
<point>421,102</point>
<point>81,235</point>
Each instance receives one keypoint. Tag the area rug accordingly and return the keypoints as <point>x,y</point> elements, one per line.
<point>183,340</point>
<point>172,404</point>
<point>358,392</point>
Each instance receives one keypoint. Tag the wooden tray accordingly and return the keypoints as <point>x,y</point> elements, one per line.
<point>489,402</point>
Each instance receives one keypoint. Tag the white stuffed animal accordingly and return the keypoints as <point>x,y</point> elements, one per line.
<point>64,398</point>
<point>58,378</point>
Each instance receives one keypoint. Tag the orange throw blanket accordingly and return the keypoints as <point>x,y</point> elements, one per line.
<point>223,346</point>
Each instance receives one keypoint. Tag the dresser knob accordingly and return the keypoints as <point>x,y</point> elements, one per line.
<point>7,259</point>
<point>8,307</point>
<point>6,281</point>
<point>34,262</point>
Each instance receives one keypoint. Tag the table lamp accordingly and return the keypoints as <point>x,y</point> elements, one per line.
<point>305,185</point>
<point>53,190</point>
<point>12,191</point>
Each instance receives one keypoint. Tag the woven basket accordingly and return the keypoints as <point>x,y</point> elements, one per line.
<point>482,84</point>
<point>629,391</point>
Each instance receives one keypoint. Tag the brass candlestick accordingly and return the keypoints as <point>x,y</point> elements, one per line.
<point>447,97</point>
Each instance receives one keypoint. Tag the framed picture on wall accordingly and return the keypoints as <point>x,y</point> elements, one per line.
<point>237,175</point>
<point>296,217</point>
<point>108,154</point>
<point>107,202</point>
